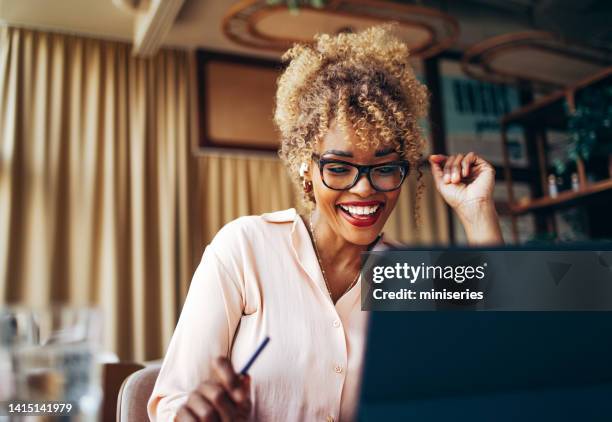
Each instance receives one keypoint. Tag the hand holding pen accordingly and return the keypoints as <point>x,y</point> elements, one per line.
<point>227,397</point>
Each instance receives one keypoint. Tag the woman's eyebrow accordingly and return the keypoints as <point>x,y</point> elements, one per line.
<point>379,153</point>
<point>338,152</point>
<point>383,152</point>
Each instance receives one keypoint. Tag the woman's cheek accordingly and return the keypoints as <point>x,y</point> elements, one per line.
<point>392,198</point>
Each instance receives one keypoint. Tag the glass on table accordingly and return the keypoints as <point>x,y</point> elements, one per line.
<point>51,354</point>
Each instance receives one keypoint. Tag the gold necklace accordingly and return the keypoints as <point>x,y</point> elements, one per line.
<point>316,249</point>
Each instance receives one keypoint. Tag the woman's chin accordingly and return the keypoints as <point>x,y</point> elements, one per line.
<point>362,236</point>
<point>360,230</point>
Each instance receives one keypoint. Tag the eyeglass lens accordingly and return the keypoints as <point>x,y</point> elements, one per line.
<point>343,176</point>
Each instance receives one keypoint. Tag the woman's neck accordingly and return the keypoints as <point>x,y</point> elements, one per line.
<point>331,247</point>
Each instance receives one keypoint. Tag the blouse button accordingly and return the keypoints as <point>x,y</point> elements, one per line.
<point>336,323</point>
<point>338,369</point>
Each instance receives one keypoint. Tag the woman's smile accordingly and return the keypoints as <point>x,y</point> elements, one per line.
<point>361,213</point>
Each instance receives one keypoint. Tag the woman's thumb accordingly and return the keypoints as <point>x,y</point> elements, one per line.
<point>246,381</point>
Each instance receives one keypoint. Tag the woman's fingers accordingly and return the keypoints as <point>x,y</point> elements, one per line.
<point>435,161</point>
<point>456,169</point>
<point>440,167</point>
<point>222,399</point>
<point>201,408</point>
<point>236,385</point>
<point>466,163</point>
<point>211,402</point>
<point>447,168</point>
<point>437,158</point>
<point>229,379</point>
<point>186,415</point>
<point>216,395</point>
<point>453,168</point>
<point>246,404</point>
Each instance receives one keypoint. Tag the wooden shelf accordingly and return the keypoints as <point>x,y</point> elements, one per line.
<point>552,112</point>
<point>596,80</point>
<point>564,199</point>
<point>548,111</point>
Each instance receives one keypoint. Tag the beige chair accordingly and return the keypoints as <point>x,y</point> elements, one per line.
<point>113,375</point>
<point>134,395</point>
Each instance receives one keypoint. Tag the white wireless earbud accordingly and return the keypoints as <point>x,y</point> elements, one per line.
<point>303,169</point>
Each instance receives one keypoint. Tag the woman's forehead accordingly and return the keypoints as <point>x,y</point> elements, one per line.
<point>346,143</point>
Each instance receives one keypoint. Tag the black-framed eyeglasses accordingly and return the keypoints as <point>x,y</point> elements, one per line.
<point>342,175</point>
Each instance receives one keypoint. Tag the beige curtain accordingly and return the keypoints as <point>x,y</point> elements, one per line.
<point>101,199</point>
<point>95,179</point>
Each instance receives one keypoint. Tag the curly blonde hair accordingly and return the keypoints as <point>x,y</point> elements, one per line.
<point>359,79</point>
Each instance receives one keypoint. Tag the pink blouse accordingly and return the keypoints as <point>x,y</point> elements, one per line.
<point>260,276</point>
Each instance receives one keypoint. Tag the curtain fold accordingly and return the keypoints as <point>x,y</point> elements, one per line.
<point>96,184</point>
<point>102,199</point>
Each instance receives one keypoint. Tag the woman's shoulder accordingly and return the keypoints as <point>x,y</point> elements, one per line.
<point>251,227</point>
<point>247,240</point>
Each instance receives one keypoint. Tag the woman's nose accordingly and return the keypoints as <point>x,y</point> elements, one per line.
<point>363,187</point>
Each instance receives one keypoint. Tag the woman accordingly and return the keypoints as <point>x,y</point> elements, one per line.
<point>347,110</point>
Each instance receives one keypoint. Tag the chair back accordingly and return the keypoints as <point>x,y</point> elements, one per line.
<point>134,395</point>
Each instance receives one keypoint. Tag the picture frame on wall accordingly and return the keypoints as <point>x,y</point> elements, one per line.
<point>236,96</point>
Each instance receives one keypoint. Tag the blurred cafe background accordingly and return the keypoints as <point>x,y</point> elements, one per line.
<point>131,131</point>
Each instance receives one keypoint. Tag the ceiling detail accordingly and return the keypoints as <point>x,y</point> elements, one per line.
<point>153,24</point>
<point>132,6</point>
<point>585,21</point>
<point>537,56</point>
<point>256,24</point>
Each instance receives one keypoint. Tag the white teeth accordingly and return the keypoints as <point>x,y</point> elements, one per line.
<point>357,210</point>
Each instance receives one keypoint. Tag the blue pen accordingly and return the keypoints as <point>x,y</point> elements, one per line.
<point>248,365</point>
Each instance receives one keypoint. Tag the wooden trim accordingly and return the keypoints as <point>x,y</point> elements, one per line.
<point>594,79</point>
<point>541,145</point>
<point>521,113</point>
<point>500,40</point>
<point>509,183</point>
<point>482,53</point>
<point>412,8</point>
<point>582,178</point>
<point>449,23</point>
<point>284,44</point>
<point>488,57</point>
<point>564,198</point>
<point>476,51</point>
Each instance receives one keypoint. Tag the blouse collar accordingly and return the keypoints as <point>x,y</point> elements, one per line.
<point>302,244</point>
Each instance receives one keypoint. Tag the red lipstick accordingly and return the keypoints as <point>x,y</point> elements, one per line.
<point>358,220</point>
<point>362,203</point>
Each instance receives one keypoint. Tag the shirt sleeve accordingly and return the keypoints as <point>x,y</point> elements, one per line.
<point>205,330</point>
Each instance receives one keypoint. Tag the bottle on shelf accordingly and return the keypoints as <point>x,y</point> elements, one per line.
<point>553,191</point>
<point>575,182</point>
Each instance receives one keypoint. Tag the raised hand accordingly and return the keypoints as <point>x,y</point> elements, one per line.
<point>466,183</point>
<point>463,180</point>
